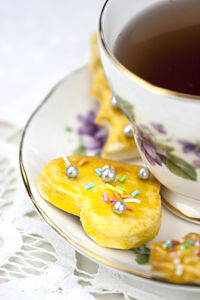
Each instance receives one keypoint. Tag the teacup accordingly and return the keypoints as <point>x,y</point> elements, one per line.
<point>166,124</point>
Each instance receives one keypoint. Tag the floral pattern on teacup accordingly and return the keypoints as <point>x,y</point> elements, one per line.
<point>192,148</point>
<point>159,152</point>
<point>189,147</point>
<point>159,128</point>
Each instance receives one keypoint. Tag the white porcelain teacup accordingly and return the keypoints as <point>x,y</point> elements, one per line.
<point>166,123</point>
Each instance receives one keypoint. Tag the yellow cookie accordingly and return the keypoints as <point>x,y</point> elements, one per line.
<point>137,225</point>
<point>177,260</point>
<point>118,146</point>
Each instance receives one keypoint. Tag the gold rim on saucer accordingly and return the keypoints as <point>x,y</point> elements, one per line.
<point>76,245</point>
<point>179,213</point>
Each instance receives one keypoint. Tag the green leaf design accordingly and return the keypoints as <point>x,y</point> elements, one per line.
<point>142,254</point>
<point>98,154</point>
<point>142,259</point>
<point>141,250</point>
<point>126,107</point>
<point>165,147</point>
<point>180,167</point>
<point>68,129</point>
<point>79,151</point>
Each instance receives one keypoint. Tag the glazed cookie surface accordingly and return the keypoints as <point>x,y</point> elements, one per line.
<point>93,199</point>
<point>177,260</point>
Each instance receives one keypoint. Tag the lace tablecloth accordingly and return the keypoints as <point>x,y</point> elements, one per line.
<point>41,41</point>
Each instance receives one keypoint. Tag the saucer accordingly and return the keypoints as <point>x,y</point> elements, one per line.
<point>51,132</point>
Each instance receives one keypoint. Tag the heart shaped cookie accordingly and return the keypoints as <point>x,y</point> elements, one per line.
<point>93,195</point>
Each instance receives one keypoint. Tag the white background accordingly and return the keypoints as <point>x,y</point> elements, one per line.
<point>40,42</point>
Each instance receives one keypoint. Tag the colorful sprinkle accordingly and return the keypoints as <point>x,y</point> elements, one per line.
<point>89,186</point>
<point>112,167</point>
<point>110,187</point>
<point>117,196</point>
<point>122,179</point>
<point>129,208</point>
<point>135,193</point>
<point>98,172</point>
<point>105,197</point>
<point>197,244</point>
<point>66,160</point>
<point>198,254</point>
<point>164,245</point>
<point>185,246</point>
<point>191,242</point>
<point>132,200</point>
<point>169,244</point>
<point>83,162</point>
<point>113,200</point>
<point>175,242</point>
<point>120,188</point>
<point>124,196</point>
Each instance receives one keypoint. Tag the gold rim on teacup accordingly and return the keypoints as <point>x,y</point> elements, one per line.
<point>136,78</point>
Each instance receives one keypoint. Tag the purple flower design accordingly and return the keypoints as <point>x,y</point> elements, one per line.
<point>151,151</point>
<point>159,128</point>
<point>189,147</point>
<point>94,136</point>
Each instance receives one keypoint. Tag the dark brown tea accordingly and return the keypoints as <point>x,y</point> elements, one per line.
<point>162,46</point>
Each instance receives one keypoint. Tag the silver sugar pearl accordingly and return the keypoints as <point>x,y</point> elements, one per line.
<point>72,171</point>
<point>128,130</point>
<point>108,175</point>
<point>144,173</point>
<point>119,207</point>
<point>114,102</point>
